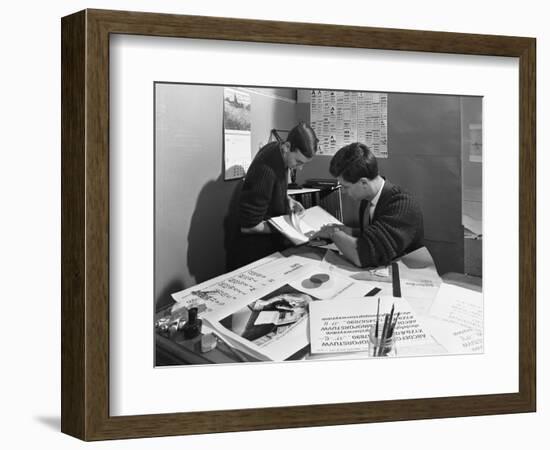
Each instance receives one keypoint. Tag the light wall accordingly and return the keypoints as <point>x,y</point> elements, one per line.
<point>194,206</point>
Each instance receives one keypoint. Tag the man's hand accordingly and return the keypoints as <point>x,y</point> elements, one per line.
<point>296,207</point>
<point>327,231</point>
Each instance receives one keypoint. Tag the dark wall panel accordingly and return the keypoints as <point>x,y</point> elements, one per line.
<point>424,147</point>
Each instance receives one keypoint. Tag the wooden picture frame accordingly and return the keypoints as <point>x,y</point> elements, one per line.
<point>85,224</point>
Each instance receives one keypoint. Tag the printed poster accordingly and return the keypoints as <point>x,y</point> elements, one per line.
<point>342,117</point>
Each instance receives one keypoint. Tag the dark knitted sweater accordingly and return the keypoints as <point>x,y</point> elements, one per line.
<point>263,195</point>
<point>396,229</point>
<point>264,192</point>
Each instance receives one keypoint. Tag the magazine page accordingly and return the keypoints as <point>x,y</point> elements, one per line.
<point>310,222</point>
<point>314,218</point>
<point>285,226</point>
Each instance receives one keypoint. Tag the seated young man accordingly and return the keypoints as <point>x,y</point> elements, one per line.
<point>390,220</point>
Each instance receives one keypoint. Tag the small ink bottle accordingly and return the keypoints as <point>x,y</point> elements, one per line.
<point>192,328</point>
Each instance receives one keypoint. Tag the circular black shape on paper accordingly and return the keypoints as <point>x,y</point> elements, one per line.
<point>319,278</point>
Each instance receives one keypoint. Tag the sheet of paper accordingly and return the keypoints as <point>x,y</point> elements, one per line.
<point>343,325</point>
<point>340,263</point>
<point>419,279</point>
<point>456,319</point>
<point>227,288</point>
<point>419,259</point>
<point>361,277</point>
<point>366,278</point>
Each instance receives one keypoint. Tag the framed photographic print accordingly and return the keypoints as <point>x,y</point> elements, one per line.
<point>270,224</point>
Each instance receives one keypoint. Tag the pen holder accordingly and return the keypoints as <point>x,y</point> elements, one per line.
<point>379,346</point>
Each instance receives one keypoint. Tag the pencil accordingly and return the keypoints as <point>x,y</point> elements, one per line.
<point>384,333</point>
<point>394,324</point>
<point>391,315</point>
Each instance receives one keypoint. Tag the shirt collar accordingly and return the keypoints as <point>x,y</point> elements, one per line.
<point>374,201</point>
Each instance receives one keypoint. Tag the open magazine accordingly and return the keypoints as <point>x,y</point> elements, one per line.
<point>273,322</point>
<point>299,229</point>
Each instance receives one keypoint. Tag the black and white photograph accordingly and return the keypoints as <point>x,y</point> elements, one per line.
<point>298,224</point>
<point>265,225</point>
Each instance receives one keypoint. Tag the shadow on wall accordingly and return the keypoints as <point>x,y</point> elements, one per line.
<point>164,299</point>
<point>231,227</point>
<point>212,228</point>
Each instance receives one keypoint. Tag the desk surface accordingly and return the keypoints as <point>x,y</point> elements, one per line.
<point>418,265</point>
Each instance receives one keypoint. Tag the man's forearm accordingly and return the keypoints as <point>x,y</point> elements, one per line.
<point>347,245</point>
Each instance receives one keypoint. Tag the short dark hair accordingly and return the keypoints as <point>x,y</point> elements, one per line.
<point>303,138</point>
<point>354,161</point>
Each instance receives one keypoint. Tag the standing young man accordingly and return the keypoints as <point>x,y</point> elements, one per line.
<point>264,194</point>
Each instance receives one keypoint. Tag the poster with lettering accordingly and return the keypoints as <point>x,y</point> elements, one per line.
<point>343,325</point>
<point>342,117</point>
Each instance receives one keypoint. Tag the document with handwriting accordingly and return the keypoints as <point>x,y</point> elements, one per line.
<point>456,319</point>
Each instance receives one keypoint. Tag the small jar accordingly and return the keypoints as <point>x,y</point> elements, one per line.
<point>192,328</point>
<point>379,346</point>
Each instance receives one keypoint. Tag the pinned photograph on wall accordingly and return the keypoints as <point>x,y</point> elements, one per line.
<point>357,233</point>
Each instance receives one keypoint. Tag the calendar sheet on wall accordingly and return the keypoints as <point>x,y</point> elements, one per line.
<point>342,117</point>
<point>237,133</point>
